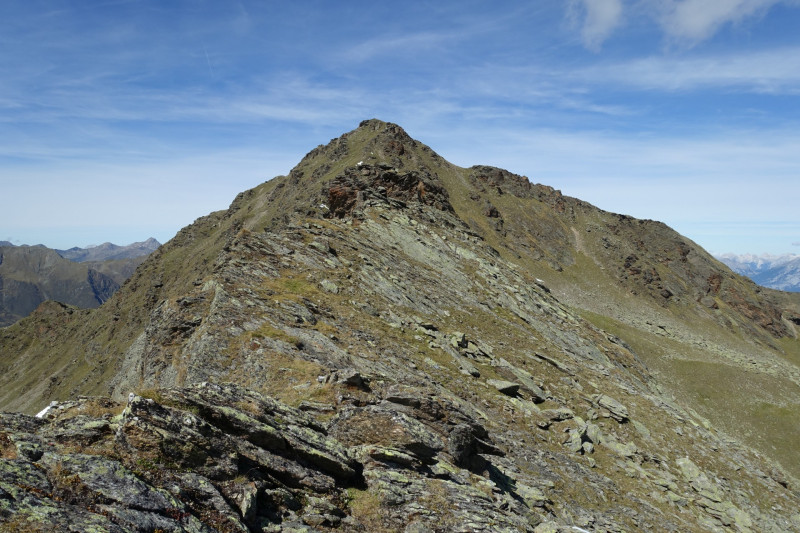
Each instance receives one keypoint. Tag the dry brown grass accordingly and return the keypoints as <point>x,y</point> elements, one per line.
<point>7,448</point>
<point>366,507</point>
<point>95,408</point>
<point>292,380</point>
<point>21,523</point>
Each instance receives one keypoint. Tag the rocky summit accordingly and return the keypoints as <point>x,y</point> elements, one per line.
<point>383,341</point>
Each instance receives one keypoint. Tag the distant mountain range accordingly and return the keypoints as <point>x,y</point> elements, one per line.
<point>108,251</point>
<point>83,277</point>
<point>774,271</point>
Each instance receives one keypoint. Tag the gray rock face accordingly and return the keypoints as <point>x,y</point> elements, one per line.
<point>615,410</point>
<point>224,458</point>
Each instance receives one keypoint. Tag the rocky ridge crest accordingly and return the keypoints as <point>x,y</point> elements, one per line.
<point>381,341</point>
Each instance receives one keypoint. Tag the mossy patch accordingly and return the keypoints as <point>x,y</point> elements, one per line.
<point>365,506</point>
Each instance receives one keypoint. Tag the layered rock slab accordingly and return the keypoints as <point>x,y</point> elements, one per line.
<point>224,458</point>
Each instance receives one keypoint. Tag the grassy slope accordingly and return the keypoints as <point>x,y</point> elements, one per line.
<point>745,381</point>
<point>714,361</point>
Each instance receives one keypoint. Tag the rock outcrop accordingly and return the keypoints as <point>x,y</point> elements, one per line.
<point>224,458</point>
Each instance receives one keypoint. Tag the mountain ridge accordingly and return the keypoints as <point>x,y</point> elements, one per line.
<point>30,275</point>
<point>780,272</point>
<point>465,343</point>
<point>109,251</point>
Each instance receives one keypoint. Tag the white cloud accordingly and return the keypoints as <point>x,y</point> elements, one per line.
<point>686,22</point>
<point>693,21</point>
<point>772,71</point>
<point>599,19</point>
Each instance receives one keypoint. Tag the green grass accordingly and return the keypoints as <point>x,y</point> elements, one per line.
<point>267,331</point>
<point>759,409</point>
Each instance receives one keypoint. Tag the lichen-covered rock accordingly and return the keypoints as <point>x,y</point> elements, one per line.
<point>378,425</point>
<point>225,458</point>
<point>205,458</point>
<point>461,443</point>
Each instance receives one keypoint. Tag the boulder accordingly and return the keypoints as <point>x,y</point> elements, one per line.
<point>506,387</point>
<point>191,459</point>
<point>615,409</point>
<point>378,425</point>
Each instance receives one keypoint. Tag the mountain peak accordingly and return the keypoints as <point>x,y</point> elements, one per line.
<point>376,124</point>
<point>373,142</point>
<point>110,251</point>
<point>448,345</point>
<point>377,160</point>
<point>774,271</point>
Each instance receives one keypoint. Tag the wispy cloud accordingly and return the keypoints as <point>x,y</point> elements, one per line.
<point>597,19</point>
<point>683,22</point>
<point>148,94</point>
<point>411,43</point>
<point>770,71</point>
<point>692,21</point>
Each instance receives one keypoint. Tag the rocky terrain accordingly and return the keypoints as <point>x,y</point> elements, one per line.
<point>30,275</point>
<point>382,341</point>
<point>774,271</point>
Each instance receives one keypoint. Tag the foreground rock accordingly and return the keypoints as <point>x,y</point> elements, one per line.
<point>224,458</point>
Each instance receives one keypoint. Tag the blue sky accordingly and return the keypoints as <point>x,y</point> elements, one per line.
<point>121,120</point>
